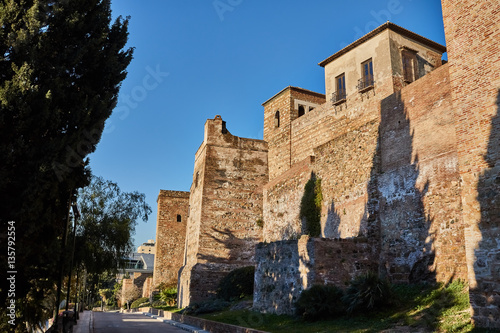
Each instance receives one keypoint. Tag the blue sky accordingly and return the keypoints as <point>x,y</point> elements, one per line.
<point>195,59</point>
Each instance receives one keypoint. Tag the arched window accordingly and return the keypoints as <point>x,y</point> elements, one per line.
<point>302,110</point>
<point>179,218</point>
<point>277,119</point>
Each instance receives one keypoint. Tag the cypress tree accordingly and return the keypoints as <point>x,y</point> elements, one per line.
<point>61,66</point>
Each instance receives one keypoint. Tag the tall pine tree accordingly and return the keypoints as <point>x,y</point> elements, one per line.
<point>61,66</point>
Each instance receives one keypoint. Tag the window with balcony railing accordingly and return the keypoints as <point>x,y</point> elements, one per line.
<point>366,82</point>
<point>340,95</point>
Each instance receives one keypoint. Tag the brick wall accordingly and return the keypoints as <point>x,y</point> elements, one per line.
<point>419,186</point>
<point>390,174</point>
<point>225,205</point>
<point>170,235</point>
<point>473,36</point>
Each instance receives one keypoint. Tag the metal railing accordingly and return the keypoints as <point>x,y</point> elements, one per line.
<point>366,82</point>
<point>338,96</point>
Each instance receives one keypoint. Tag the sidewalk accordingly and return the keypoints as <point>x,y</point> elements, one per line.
<point>194,324</point>
<point>85,323</point>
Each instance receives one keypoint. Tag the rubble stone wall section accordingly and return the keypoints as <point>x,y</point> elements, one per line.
<point>286,268</point>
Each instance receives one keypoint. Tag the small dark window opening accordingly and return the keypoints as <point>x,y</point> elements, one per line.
<point>179,218</point>
<point>277,119</point>
<point>410,72</point>
<point>302,110</point>
<point>196,179</point>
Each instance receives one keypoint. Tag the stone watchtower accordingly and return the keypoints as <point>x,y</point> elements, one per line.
<point>173,208</point>
<point>280,111</point>
<point>225,203</point>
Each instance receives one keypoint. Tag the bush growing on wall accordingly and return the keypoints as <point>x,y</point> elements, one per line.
<point>310,207</point>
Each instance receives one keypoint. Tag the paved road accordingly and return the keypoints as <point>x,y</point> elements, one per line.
<point>111,322</point>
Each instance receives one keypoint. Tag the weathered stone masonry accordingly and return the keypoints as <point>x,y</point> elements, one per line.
<point>473,36</point>
<point>387,158</point>
<point>225,203</point>
<point>409,157</point>
<point>173,209</point>
<point>286,268</point>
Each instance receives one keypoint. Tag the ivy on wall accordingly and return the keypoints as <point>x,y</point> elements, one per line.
<point>310,207</point>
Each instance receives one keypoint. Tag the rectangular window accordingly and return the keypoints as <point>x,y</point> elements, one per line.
<point>340,85</point>
<point>409,66</point>
<point>367,74</point>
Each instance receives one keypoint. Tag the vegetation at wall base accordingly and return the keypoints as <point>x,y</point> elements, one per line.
<point>166,308</point>
<point>367,292</point>
<point>167,295</point>
<point>237,284</point>
<point>208,306</point>
<point>416,308</point>
<point>140,302</point>
<point>320,302</point>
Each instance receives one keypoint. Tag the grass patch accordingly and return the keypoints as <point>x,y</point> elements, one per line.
<point>167,308</point>
<point>416,308</point>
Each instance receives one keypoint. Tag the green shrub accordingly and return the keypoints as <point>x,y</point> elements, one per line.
<point>169,296</point>
<point>237,284</point>
<point>310,206</point>
<point>139,302</point>
<point>157,303</point>
<point>320,302</point>
<point>212,305</point>
<point>366,292</point>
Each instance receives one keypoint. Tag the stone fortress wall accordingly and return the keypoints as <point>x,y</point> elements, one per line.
<point>387,159</point>
<point>409,162</point>
<point>225,203</point>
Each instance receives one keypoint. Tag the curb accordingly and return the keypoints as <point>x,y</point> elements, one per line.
<point>184,327</point>
<point>91,322</point>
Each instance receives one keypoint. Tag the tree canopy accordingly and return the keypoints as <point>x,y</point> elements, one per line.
<point>61,66</point>
<point>108,219</point>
